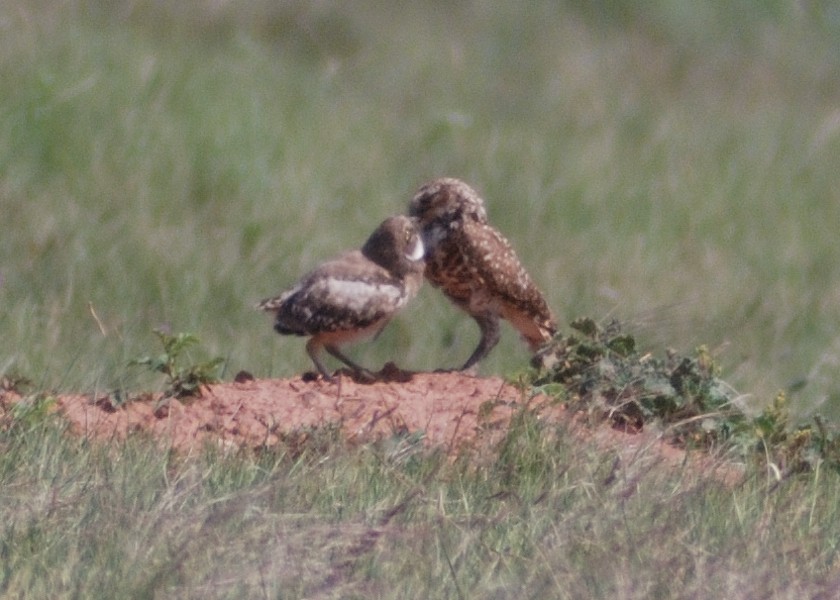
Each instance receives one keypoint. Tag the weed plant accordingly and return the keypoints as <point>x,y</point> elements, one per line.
<point>598,370</point>
<point>183,377</point>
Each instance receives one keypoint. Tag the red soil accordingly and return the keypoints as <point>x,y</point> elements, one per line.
<point>451,410</point>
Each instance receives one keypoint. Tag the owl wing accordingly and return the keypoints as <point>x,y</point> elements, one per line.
<point>501,274</point>
<point>495,267</point>
<point>348,293</point>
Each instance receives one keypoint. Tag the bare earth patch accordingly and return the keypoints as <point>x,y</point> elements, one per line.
<point>449,409</point>
<point>452,411</point>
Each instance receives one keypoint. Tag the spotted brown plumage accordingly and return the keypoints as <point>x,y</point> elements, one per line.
<point>476,267</point>
<point>354,295</point>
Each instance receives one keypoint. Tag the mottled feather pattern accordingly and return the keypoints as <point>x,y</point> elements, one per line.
<point>353,295</point>
<point>340,297</point>
<point>476,267</point>
<point>447,238</point>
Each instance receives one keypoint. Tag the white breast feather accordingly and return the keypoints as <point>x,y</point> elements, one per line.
<point>356,295</point>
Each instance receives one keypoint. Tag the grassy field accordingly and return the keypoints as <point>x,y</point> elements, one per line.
<point>545,515</point>
<point>168,164</point>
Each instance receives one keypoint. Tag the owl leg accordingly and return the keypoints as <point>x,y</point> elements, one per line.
<point>362,373</point>
<point>313,349</point>
<point>489,325</point>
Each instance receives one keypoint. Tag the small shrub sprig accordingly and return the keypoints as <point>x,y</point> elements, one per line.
<point>602,370</point>
<point>792,448</point>
<point>21,405</point>
<point>598,369</point>
<point>182,379</point>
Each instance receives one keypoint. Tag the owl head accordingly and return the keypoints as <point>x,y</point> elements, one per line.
<point>446,199</point>
<point>396,245</point>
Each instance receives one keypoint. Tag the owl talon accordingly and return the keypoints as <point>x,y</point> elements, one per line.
<point>364,376</point>
<point>470,371</point>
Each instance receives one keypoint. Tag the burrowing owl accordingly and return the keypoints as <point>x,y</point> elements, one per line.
<point>476,267</point>
<point>354,295</point>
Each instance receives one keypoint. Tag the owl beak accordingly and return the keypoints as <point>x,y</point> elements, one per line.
<point>415,252</point>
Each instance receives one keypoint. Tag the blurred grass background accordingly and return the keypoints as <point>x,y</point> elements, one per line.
<point>168,164</point>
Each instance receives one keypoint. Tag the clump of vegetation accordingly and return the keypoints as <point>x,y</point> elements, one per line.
<point>15,382</point>
<point>598,369</point>
<point>183,378</point>
<point>788,447</point>
<point>27,407</point>
<point>601,369</point>
<point>32,409</point>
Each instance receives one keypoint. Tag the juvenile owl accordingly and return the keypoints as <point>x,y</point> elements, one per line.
<point>354,295</point>
<point>476,267</point>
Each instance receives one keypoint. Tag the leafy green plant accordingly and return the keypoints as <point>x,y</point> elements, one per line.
<point>15,382</point>
<point>793,448</point>
<point>602,369</point>
<point>599,369</point>
<point>183,379</point>
<point>32,409</point>
<point>22,406</point>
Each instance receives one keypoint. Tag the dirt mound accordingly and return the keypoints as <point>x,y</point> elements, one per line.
<point>452,411</point>
<point>449,409</point>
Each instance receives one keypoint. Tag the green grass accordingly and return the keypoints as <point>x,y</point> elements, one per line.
<point>165,165</point>
<point>544,514</point>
